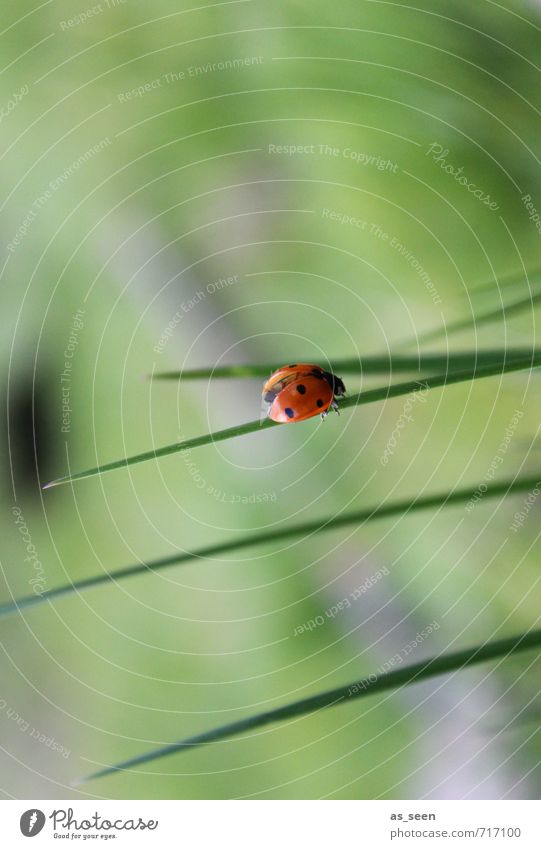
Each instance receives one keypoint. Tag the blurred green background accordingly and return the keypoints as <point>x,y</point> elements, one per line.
<point>289,151</point>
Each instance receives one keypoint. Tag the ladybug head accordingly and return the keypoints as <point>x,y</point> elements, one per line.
<point>336,383</point>
<point>338,386</point>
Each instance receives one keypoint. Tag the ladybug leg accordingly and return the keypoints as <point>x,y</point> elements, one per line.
<point>332,406</point>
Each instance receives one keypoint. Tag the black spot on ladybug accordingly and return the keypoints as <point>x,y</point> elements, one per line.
<point>301,389</point>
<point>319,402</point>
<point>289,412</point>
<point>292,365</point>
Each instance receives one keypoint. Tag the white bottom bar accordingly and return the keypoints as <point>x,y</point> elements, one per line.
<point>273,824</point>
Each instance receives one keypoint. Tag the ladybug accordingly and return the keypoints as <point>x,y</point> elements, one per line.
<point>299,391</point>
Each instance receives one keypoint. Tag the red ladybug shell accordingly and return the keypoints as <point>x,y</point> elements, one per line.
<point>285,375</point>
<point>303,397</point>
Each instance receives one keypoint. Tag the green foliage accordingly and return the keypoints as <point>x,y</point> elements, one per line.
<point>501,364</point>
<point>368,686</point>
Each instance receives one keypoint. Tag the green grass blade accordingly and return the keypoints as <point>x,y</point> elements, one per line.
<point>175,447</point>
<point>372,684</point>
<point>476,321</point>
<point>525,361</point>
<point>368,365</point>
<point>508,281</point>
<point>306,529</point>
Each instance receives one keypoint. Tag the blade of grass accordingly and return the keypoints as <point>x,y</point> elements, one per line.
<point>529,360</point>
<point>372,684</point>
<point>475,321</point>
<point>508,281</point>
<point>368,365</point>
<point>306,529</point>
<point>196,442</point>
